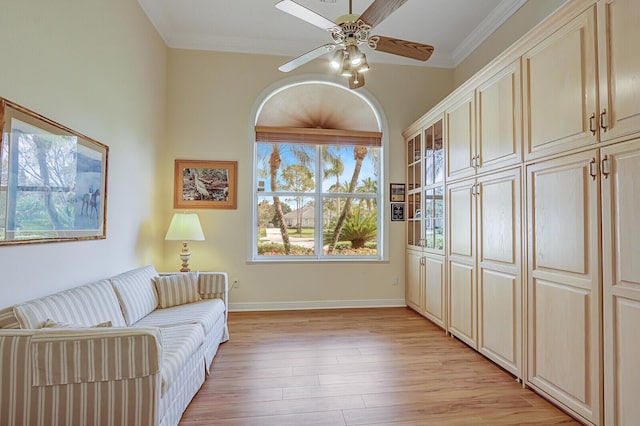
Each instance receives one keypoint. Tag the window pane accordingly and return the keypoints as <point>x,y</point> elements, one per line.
<point>428,203</point>
<point>341,163</point>
<point>293,166</point>
<point>429,233</point>
<point>359,220</point>
<point>439,202</point>
<point>295,225</point>
<point>439,234</point>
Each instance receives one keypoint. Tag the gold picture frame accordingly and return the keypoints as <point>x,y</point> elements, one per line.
<point>203,184</point>
<point>53,180</point>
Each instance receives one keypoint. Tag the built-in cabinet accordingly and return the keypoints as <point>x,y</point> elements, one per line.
<point>620,182</point>
<point>425,287</point>
<point>485,266</point>
<point>542,194</point>
<point>563,273</point>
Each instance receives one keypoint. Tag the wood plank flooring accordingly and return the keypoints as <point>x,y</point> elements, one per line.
<point>357,367</point>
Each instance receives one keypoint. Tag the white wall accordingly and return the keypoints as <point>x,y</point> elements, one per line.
<point>98,67</point>
<point>211,96</point>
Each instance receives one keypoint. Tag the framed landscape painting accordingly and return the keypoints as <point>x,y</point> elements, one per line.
<point>205,184</point>
<point>53,180</point>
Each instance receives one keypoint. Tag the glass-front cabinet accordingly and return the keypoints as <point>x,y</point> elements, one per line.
<point>425,275</point>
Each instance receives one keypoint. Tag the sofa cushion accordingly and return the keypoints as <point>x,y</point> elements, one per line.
<point>174,290</point>
<point>56,324</point>
<point>205,313</point>
<point>136,292</point>
<point>86,305</point>
<point>8,318</point>
<point>178,344</point>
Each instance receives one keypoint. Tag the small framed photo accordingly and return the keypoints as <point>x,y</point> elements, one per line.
<point>397,192</point>
<point>397,212</point>
<point>205,184</point>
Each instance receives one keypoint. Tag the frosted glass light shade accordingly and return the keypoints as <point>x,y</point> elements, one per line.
<point>185,227</point>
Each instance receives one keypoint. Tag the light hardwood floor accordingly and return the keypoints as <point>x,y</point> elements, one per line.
<point>385,366</point>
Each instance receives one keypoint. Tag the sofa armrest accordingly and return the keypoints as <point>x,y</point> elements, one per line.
<point>66,356</point>
<point>90,390</point>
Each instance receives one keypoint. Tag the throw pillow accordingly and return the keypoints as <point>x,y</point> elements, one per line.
<point>49,323</point>
<point>174,290</point>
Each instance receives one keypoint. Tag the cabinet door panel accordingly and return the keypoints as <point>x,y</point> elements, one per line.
<point>621,281</point>
<point>462,302</point>
<point>498,318</point>
<point>435,289</point>
<point>499,120</point>
<point>564,282</point>
<point>560,89</point>
<point>619,66</point>
<point>414,283</point>
<point>460,138</point>
<point>561,346</point>
<point>500,269</point>
<point>461,219</point>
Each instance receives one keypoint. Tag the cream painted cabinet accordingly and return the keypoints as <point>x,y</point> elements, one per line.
<point>461,150</point>
<point>619,65</point>
<point>414,287</point>
<point>461,272</point>
<point>425,288</point>
<point>560,105</point>
<point>621,281</point>
<point>499,266</point>
<point>499,118</point>
<point>485,266</point>
<point>563,282</point>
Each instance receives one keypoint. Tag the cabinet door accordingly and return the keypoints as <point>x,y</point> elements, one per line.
<point>414,284</point>
<point>460,138</point>
<point>461,272</point>
<point>618,35</point>
<point>499,113</point>
<point>435,295</point>
<point>563,282</point>
<point>621,281</point>
<point>560,89</point>
<point>499,269</point>
<point>414,192</point>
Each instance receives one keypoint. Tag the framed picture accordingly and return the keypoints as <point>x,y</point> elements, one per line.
<point>397,212</point>
<point>397,193</point>
<point>53,180</point>
<point>205,184</point>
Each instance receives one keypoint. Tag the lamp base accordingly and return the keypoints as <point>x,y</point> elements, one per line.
<point>185,255</point>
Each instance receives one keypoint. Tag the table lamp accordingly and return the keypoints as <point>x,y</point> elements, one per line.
<point>185,227</point>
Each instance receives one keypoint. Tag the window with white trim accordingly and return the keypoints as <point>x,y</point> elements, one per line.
<point>317,194</point>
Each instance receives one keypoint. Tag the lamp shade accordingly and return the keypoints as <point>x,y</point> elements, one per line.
<point>185,227</point>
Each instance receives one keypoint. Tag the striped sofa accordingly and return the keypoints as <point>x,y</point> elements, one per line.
<point>132,349</point>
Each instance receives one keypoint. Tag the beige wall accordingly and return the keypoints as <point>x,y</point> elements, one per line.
<point>98,67</point>
<point>211,98</point>
<point>527,17</point>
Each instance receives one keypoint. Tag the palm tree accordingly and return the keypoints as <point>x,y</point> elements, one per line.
<point>359,154</point>
<point>335,169</point>
<point>368,186</point>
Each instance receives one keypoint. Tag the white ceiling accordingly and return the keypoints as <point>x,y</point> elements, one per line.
<point>454,27</point>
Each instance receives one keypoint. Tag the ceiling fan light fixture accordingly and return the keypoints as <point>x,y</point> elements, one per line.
<point>364,65</point>
<point>347,70</point>
<point>355,55</point>
<point>338,60</point>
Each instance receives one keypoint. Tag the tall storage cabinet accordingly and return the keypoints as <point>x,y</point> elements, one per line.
<point>564,285</point>
<point>425,222</point>
<point>620,173</point>
<point>542,192</point>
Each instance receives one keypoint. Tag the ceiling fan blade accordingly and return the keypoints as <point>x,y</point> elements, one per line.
<point>299,11</point>
<point>408,49</point>
<point>309,56</point>
<point>356,81</point>
<point>379,10</point>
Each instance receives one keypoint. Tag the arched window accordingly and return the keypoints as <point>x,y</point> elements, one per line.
<point>318,175</point>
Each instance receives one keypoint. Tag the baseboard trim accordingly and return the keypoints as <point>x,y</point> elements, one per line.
<point>319,304</point>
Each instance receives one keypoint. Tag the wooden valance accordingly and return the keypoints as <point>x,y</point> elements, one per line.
<point>317,136</point>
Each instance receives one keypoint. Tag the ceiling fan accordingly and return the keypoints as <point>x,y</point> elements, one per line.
<point>348,33</point>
